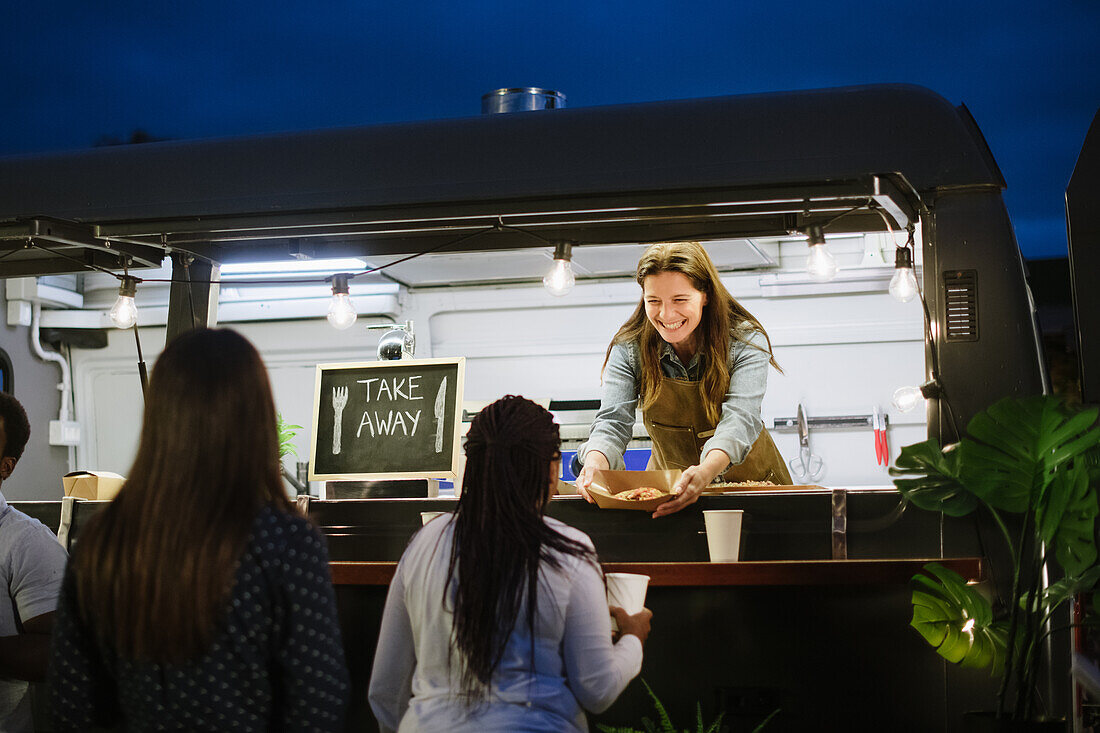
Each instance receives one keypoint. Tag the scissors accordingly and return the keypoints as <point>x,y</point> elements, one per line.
<point>807,467</point>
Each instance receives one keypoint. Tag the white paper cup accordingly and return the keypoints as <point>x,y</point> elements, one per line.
<point>426,517</point>
<point>626,590</point>
<point>724,534</point>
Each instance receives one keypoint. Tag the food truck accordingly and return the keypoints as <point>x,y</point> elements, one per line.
<point>447,229</point>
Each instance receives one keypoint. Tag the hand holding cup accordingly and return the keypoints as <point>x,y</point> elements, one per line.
<point>636,624</point>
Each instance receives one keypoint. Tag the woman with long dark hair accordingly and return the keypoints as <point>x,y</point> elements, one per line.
<point>497,617</point>
<point>198,599</point>
<point>696,362</point>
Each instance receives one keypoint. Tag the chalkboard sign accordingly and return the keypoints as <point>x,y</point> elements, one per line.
<point>387,419</point>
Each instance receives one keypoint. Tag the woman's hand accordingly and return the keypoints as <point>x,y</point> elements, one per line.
<point>693,481</point>
<point>637,624</point>
<point>593,461</point>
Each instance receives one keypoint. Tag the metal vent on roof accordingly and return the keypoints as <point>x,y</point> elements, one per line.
<point>960,297</point>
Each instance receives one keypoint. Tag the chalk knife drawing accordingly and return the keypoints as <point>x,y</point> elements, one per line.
<point>339,402</point>
<point>440,410</point>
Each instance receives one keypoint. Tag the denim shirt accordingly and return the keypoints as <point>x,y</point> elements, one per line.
<point>737,429</point>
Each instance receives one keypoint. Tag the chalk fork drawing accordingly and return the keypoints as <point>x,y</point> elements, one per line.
<point>440,408</point>
<point>339,402</point>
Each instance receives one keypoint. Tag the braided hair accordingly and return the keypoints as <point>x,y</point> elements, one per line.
<point>500,538</point>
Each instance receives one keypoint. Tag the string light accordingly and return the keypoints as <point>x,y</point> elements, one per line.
<point>124,312</point>
<point>341,311</point>
<point>908,397</point>
<point>560,280</point>
<point>820,265</point>
<point>903,285</point>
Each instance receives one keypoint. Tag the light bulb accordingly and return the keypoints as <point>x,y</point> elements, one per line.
<point>903,285</point>
<point>124,312</point>
<point>906,398</point>
<point>341,312</point>
<point>560,279</point>
<point>820,265</point>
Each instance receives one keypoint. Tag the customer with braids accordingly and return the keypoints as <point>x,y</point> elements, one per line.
<point>497,619</point>
<point>199,600</point>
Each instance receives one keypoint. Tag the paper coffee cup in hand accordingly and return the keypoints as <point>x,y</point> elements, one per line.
<point>627,591</point>
<point>724,534</point>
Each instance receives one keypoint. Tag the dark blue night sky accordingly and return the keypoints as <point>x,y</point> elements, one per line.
<point>76,72</point>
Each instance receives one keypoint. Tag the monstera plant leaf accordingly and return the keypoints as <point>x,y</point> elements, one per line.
<point>1015,446</point>
<point>1068,587</point>
<point>1066,518</point>
<point>938,488</point>
<point>956,619</point>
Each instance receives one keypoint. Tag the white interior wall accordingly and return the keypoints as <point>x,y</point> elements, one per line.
<point>841,354</point>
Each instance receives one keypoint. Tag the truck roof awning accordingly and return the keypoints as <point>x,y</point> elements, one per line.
<point>753,165</point>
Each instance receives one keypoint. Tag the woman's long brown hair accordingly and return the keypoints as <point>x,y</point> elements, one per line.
<point>723,318</point>
<point>154,569</point>
<point>500,538</point>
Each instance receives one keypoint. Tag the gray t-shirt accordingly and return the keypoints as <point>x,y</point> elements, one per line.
<point>32,564</point>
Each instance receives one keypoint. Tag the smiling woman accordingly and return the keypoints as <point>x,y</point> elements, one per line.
<point>698,361</point>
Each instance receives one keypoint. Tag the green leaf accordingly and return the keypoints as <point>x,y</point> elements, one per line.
<point>713,727</point>
<point>765,721</point>
<point>956,619</point>
<point>1068,587</point>
<point>1014,447</point>
<point>286,433</point>
<point>1073,498</point>
<point>662,714</point>
<point>938,489</point>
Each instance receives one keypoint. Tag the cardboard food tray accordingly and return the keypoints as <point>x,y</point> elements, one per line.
<point>606,484</point>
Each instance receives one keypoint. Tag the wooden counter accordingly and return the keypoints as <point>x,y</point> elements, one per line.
<point>757,573</point>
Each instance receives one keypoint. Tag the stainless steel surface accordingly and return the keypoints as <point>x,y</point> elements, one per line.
<point>840,524</point>
<point>836,422</point>
<point>521,99</point>
<point>396,343</point>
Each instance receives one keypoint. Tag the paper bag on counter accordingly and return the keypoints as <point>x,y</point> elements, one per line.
<point>96,485</point>
<point>606,484</point>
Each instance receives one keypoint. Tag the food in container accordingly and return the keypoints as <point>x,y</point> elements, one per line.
<point>619,489</point>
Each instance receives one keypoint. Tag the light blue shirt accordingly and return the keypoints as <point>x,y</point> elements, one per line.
<point>415,681</point>
<point>739,426</point>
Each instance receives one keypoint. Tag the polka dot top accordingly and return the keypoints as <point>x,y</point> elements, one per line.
<point>276,664</point>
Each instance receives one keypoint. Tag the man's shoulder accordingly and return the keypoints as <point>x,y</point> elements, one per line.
<point>21,529</point>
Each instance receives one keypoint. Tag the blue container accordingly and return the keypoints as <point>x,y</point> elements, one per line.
<point>636,460</point>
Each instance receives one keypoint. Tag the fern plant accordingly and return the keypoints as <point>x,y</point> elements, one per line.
<point>286,433</point>
<point>664,723</point>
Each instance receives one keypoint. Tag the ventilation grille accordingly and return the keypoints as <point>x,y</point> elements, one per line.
<point>960,295</point>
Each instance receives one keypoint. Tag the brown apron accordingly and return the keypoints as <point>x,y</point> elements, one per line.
<point>678,425</point>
